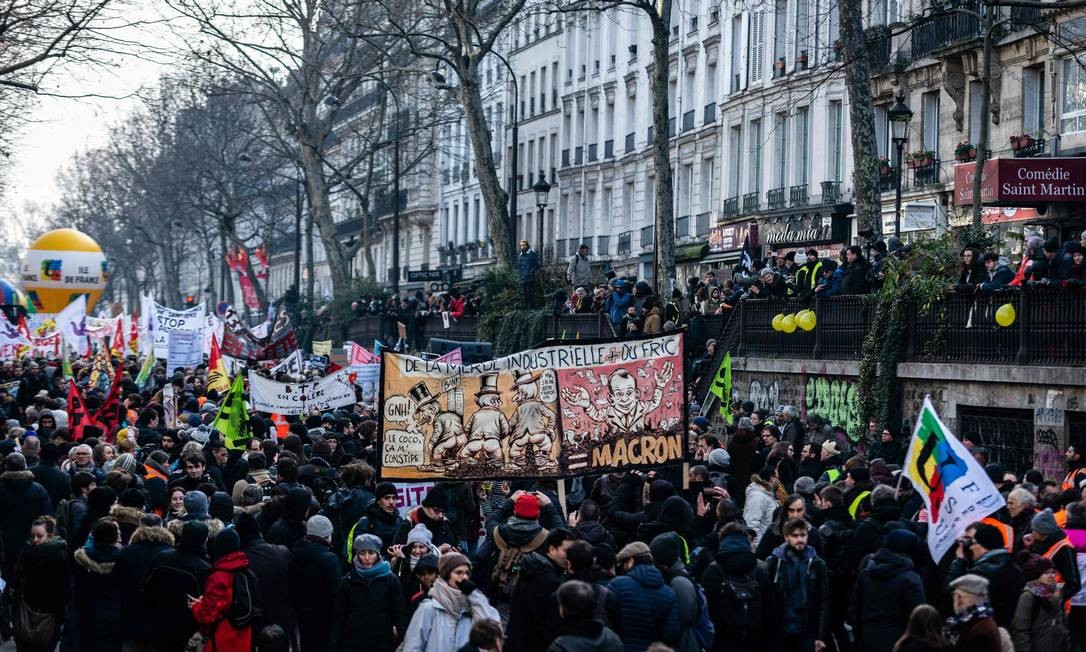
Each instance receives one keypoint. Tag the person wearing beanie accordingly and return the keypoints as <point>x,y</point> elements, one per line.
<point>404,558</point>
<point>431,514</point>
<point>270,563</point>
<point>734,585</point>
<point>518,526</point>
<point>972,627</point>
<point>221,507</point>
<point>1050,541</point>
<point>669,552</point>
<point>887,589</point>
<point>981,552</point>
<point>130,572</point>
<point>381,518</point>
<point>290,527</point>
<point>315,572</point>
<point>318,473</point>
<point>425,574</point>
<point>533,615</point>
<point>646,608</point>
<point>1040,622</point>
<point>211,610</point>
<point>445,618</point>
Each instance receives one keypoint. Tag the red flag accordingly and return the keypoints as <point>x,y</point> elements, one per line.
<point>117,345</point>
<point>77,412</point>
<point>23,328</point>
<point>282,428</point>
<point>107,417</point>
<point>134,334</point>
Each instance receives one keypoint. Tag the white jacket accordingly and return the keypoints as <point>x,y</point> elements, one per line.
<point>433,629</point>
<point>758,510</point>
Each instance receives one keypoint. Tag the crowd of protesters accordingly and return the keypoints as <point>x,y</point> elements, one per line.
<point>783,535</point>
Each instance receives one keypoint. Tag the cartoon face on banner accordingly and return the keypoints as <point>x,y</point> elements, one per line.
<point>584,408</point>
<point>60,266</point>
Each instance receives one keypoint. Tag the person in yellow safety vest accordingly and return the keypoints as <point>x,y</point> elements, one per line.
<point>1076,469</point>
<point>1051,542</point>
<point>857,496</point>
<point>831,462</point>
<point>980,551</point>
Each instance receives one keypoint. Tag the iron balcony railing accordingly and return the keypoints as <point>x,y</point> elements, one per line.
<point>624,243</point>
<point>831,193</point>
<point>730,207</point>
<point>945,28</point>
<point>752,201</point>
<point>775,197</point>
<point>797,195</point>
<point>646,235</point>
<point>682,226</point>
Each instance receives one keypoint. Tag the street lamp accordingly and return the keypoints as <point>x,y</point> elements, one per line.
<point>542,191</point>
<point>899,116</point>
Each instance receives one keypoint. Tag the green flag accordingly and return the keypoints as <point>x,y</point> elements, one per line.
<point>722,387</point>
<point>145,371</point>
<point>233,419</point>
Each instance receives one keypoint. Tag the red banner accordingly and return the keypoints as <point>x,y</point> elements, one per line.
<point>1017,181</point>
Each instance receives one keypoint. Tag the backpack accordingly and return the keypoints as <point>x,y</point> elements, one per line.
<point>702,630</point>
<point>267,486</point>
<point>506,570</point>
<point>740,608</point>
<point>64,518</point>
<point>324,487</point>
<point>246,607</point>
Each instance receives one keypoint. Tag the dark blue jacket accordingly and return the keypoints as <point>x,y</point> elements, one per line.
<point>997,281</point>
<point>646,607</point>
<point>527,264</point>
<point>887,590</point>
<point>833,284</point>
<point>130,572</point>
<point>616,306</point>
<point>21,501</point>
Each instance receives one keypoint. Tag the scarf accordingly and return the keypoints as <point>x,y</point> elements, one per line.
<point>380,569</point>
<point>1043,591</point>
<point>450,599</point>
<point>955,625</point>
<point>793,568</point>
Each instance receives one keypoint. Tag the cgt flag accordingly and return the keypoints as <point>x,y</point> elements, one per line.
<point>216,369</point>
<point>956,490</point>
<point>722,387</point>
<point>233,418</point>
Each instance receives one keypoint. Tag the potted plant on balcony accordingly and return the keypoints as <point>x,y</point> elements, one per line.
<point>801,60</point>
<point>884,166</point>
<point>965,152</point>
<point>1021,142</point>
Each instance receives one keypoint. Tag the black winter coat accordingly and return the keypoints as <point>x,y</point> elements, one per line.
<point>594,533</point>
<point>98,599</point>
<point>315,573</point>
<point>173,575</point>
<point>21,501</point>
<point>533,611</point>
<point>1005,581</point>
<point>855,278</point>
<point>886,592</point>
<point>133,565</point>
<point>56,483</point>
<point>377,522</point>
<point>43,576</point>
<point>365,612</point>
<point>816,606</point>
<point>271,565</point>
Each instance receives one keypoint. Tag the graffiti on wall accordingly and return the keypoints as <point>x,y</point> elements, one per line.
<point>766,395</point>
<point>836,399</point>
<point>1048,447</point>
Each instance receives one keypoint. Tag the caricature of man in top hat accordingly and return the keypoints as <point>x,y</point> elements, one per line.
<point>533,423</point>
<point>488,426</point>
<point>447,434</point>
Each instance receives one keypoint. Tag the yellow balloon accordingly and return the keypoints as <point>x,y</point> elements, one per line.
<point>806,321</point>
<point>1005,315</point>
<point>788,324</point>
<point>60,266</point>
<point>777,322</point>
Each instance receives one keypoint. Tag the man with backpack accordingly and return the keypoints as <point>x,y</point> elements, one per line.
<point>735,593</point>
<point>381,519</point>
<point>645,604</point>
<point>258,475</point>
<point>798,596</point>
<point>231,603</point>
<point>533,612</point>
<point>497,561</point>
<point>71,512</point>
<point>695,626</point>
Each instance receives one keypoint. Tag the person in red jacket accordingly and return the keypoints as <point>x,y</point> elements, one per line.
<point>211,610</point>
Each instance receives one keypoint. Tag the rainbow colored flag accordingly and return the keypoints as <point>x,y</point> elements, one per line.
<point>956,490</point>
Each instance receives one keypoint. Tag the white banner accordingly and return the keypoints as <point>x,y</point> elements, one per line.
<point>292,364</point>
<point>184,350</point>
<point>266,395</point>
<point>368,380</point>
<point>213,327</point>
<point>410,495</point>
<point>72,324</point>
<point>10,340</point>
<point>167,320</point>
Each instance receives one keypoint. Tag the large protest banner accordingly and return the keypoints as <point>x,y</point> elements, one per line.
<point>329,392</point>
<point>184,350</point>
<point>557,410</point>
<point>167,319</point>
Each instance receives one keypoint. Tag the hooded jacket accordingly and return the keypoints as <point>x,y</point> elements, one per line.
<point>43,576</point>
<point>173,576</point>
<point>758,508</point>
<point>737,563</point>
<point>211,609</point>
<point>290,527</point>
<point>646,607</point>
<point>366,611</point>
<point>594,533</point>
<point>271,565</point>
<point>315,572</point>
<point>675,515</point>
<point>533,612</point>
<point>98,599</point>
<point>133,565</point>
<point>887,590</point>
<point>21,501</point>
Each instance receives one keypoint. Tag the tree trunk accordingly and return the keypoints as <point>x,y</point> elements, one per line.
<point>320,214</point>
<point>309,271</point>
<point>664,271</point>
<point>495,199</point>
<point>985,111</point>
<point>865,176</point>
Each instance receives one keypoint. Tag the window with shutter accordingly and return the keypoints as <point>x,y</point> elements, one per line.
<point>930,118</point>
<point>802,37</point>
<point>756,49</point>
<point>976,98</point>
<point>1032,101</point>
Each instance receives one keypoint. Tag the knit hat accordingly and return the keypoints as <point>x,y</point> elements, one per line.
<point>369,542</point>
<point>221,507</point>
<point>901,541</point>
<point>700,422</point>
<point>100,499</point>
<point>630,550</point>
<point>436,499</point>
<point>971,584</point>
<point>1036,566</point>
<point>860,474</point>
<point>322,449</point>
<point>831,448</point>
<point>194,421</point>
<point>196,504</point>
<point>420,534</point>
<point>526,506</point>
<point>805,486</point>
<point>248,529</point>
<point>225,542</point>
<point>426,562</point>
<point>385,489</point>
<point>133,497</point>
<point>125,461</point>
<point>449,562</point>
<point>193,537</point>
<point>1044,524</point>
<point>666,549</point>
<point>1052,245</point>
<point>987,536</point>
<point>320,527</point>
<point>719,458</point>
<point>660,490</point>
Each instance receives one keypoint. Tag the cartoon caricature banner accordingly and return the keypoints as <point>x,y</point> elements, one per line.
<point>557,410</point>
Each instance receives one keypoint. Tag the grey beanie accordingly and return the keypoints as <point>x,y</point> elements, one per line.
<point>719,458</point>
<point>971,584</point>
<point>805,486</point>
<point>1044,524</point>
<point>367,542</point>
<point>320,527</point>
